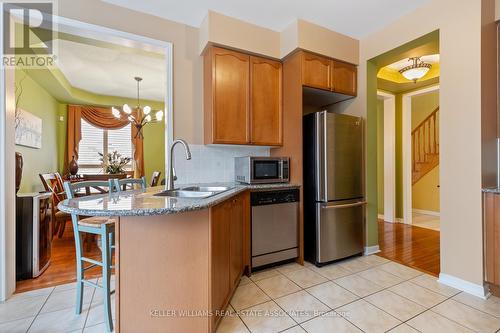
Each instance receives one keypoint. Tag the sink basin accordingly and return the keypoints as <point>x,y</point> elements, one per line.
<point>194,192</point>
<point>186,194</point>
<point>206,188</point>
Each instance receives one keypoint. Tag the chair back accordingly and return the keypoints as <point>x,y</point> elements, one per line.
<point>155,178</point>
<point>121,184</point>
<point>98,185</point>
<point>52,182</point>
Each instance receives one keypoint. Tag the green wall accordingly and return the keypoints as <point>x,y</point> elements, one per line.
<point>380,156</point>
<point>39,102</point>
<point>154,140</point>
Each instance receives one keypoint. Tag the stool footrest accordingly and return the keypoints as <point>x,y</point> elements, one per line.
<point>87,282</point>
<point>89,267</point>
<point>92,261</point>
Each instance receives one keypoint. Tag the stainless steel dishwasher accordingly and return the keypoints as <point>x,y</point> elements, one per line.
<point>275,226</point>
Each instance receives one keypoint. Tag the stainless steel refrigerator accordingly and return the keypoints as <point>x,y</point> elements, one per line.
<point>334,204</point>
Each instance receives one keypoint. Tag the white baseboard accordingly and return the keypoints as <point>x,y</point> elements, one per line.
<point>426,212</point>
<point>399,220</point>
<point>371,250</point>
<point>380,216</point>
<point>481,291</point>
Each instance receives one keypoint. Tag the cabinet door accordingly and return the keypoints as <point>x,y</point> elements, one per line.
<point>344,78</point>
<point>265,102</point>
<point>316,71</point>
<point>231,96</point>
<point>221,216</point>
<point>236,241</point>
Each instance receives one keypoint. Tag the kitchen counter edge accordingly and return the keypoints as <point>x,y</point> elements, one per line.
<point>181,205</point>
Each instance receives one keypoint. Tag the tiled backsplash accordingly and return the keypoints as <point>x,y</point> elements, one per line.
<point>211,163</point>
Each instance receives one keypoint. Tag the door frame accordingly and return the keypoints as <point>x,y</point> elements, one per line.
<point>407,150</point>
<point>389,155</point>
<point>7,147</point>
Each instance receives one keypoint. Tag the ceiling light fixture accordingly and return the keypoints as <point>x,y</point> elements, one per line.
<point>141,115</point>
<point>416,70</point>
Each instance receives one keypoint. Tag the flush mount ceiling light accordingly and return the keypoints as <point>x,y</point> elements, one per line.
<point>138,116</point>
<point>416,70</point>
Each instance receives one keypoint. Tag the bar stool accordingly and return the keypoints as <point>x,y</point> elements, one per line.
<point>96,225</point>
<point>121,184</point>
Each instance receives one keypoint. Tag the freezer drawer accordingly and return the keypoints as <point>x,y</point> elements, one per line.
<point>339,230</point>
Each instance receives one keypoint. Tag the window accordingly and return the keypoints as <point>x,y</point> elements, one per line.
<point>96,140</point>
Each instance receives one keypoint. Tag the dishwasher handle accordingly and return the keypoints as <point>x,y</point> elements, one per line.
<point>355,204</point>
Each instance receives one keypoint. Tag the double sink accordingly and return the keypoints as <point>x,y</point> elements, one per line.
<point>194,192</point>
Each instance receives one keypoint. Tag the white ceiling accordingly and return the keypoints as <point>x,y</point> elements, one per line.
<point>111,71</point>
<point>356,18</point>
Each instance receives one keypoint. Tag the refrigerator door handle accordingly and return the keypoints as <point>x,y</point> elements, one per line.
<point>355,204</point>
<point>321,153</point>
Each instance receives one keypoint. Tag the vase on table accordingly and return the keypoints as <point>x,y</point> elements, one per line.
<point>73,167</point>
<point>19,170</point>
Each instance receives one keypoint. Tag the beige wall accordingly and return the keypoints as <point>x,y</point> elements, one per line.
<point>425,192</point>
<point>225,30</point>
<point>461,106</point>
<point>221,29</point>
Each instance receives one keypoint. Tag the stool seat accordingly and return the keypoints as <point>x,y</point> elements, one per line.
<point>96,221</point>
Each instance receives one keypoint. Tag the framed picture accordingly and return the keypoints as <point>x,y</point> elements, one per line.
<point>28,129</point>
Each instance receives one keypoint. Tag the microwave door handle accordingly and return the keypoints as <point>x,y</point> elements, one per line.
<point>280,170</point>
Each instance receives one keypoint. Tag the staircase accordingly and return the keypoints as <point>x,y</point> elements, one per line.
<point>425,146</point>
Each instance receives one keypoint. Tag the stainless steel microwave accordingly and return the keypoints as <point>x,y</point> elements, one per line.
<point>262,170</point>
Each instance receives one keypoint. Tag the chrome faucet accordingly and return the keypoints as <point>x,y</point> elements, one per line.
<point>171,173</point>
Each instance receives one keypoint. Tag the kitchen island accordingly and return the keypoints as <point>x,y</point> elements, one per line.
<point>178,260</point>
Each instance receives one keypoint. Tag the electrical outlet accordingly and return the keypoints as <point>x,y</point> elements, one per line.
<point>61,118</point>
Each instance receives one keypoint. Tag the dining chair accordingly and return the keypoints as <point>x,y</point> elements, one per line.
<point>123,184</point>
<point>52,182</point>
<point>96,225</point>
<point>155,177</point>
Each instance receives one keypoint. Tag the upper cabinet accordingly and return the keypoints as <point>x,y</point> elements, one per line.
<point>242,99</point>
<point>316,71</point>
<point>265,102</point>
<point>344,78</point>
<point>227,80</point>
<point>324,73</point>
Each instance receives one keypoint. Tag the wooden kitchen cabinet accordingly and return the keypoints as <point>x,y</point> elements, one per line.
<point>344,78</point>
<point>227,79</point>
<point>492,241</point>
<point>327,74</point>
<point>220,219</point>
<point>236,241</point>
<point>316,71</point>
<point>265,102</point>
<point>242,99</point>
<point>227,231</point>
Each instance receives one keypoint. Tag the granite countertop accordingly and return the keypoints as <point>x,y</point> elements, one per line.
<point>491,190</point>
<point>145,203</point>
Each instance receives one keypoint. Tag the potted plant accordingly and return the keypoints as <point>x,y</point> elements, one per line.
<point>113,163</point>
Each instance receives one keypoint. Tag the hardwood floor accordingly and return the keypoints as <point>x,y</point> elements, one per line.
<point>411,246</point>
<point>62,268</point>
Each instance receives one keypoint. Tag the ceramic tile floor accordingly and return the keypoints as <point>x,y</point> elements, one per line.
<point>426,221</point>
<point>52,310</point>
<point>365,294</point>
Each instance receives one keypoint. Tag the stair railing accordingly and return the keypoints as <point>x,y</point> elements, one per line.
<point>425,138</point>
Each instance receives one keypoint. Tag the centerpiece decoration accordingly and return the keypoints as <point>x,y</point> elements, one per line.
<point>114,163</point>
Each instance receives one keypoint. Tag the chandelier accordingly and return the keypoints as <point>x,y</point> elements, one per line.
<point>138,116</point>
<point>416,70</point>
